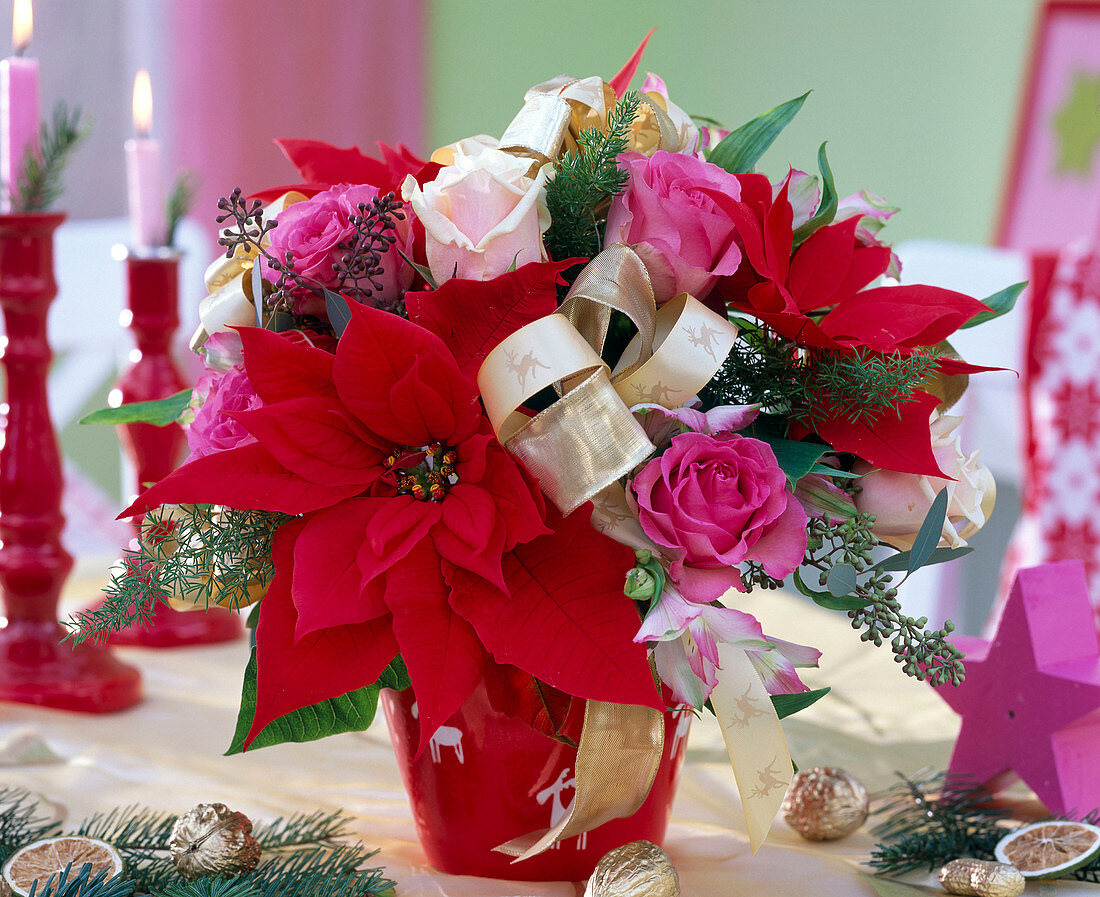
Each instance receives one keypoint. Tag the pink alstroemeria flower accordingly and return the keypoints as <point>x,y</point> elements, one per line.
<point>687,635</point>
<point>661,423</point>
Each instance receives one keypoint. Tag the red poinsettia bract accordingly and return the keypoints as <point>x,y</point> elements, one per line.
<point>414,532</point>
<point>815,297</point>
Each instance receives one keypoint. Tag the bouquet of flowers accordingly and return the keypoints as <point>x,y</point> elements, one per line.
<point>533,415</point>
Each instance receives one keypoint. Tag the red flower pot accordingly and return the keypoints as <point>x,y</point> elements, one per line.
<point>488,778</point>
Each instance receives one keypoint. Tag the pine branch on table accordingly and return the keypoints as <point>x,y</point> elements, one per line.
<point>20,822</point>
<point>84,884</point>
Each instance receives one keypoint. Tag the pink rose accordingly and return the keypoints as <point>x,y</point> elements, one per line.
<point>482,215</point>
<point>669,215</point>
<point>715,501</point>
<point>318,230</point>
<point>213,430</point>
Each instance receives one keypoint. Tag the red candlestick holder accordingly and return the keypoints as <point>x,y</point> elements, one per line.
<point>36,665</point>
<point>152,295</point>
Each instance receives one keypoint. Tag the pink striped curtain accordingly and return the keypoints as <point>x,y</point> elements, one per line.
<point>350,72</point>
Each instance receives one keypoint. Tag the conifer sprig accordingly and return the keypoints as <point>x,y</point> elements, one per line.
<point>864,386</point>
<point>192,552</point>
<point>38,183</point>
<point>586,181</point>
<point>180,200</point>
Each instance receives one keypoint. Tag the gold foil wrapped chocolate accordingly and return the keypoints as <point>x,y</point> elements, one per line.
<point>981,878</point>
<point>825,803</point>
<point>637,869</point>
<point>211,839</point>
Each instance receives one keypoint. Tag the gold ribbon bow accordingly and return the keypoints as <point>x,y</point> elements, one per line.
<point>579,448</point>
<point>588,439</point>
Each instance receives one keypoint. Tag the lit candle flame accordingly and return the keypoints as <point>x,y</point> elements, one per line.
<point>22,25</point>
<point>143,103</point>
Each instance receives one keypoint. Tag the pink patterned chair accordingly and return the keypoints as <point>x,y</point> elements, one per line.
<point>1061,389</point>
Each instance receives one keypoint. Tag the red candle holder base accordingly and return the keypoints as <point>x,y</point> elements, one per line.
<point>36,667</point>
<point>173,628</point>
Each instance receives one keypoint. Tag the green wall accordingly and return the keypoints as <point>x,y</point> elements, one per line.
<point>916,98</point>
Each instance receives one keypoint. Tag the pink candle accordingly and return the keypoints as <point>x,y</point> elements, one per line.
<point>19,108</point>
<point>143,172</point>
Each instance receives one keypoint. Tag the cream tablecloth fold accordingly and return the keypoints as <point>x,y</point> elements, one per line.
<point>166,753</point>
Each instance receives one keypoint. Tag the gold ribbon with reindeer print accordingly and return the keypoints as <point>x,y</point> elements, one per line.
<point>579,448</point>
<point>617,759</point>
<point>588,439</point>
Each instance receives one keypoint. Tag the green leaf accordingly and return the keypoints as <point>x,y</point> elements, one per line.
<point>828,471</point>
<point>336,306</point>
<point>739,150</point>
<point>350,712</point>
<point>826,209</point>
<point>928,536</point>
<point>787,705</point>
<point>824,599</point>
<point>159,413</point>
<point>900,561</point>
<point>999,303</point>
<point>891,887</point>
<point>795,458</point>
<point>841,580</point>
<point>421,270</point>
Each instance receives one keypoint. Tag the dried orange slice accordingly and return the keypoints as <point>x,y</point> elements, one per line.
<point>1049,849</point>
<point>50,856</point>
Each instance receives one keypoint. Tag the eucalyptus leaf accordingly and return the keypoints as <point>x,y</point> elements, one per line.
<point>841,580</point>
<point>900,561</point>
<point>1001,302</point>
<point>826,209</point>
<point>740,150</point>
<point>350,712</point>
<point>338,313</point>
<point>159,413</point>
<point>824,599</point>
<point>928,536</point>
<point>787,705</point>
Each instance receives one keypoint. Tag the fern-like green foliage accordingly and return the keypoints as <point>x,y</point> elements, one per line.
<point>38,183</point>
<point>764,368</point>
<point>585,182</point>
<point>931,819</point>
<point>180,549</point>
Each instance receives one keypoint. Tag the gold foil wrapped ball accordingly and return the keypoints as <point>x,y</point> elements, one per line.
<point>981,878</point>
<point>637,869</point>
<point>211,839</point>
<point>825,803</point>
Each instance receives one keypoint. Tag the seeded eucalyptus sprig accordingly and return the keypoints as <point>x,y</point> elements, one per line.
<point>38,182</point>
<point>855,583</point>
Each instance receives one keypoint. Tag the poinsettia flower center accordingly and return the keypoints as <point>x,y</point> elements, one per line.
<point>426,473</point>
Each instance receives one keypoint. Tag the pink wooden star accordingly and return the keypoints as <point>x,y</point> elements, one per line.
<point>1030,704</point>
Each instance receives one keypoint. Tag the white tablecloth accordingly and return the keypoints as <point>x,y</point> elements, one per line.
<point>166,753</point>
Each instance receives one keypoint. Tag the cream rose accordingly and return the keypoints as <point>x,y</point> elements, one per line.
<point>591,99</point>
<point>482,215</point>
<point>900,501</point>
